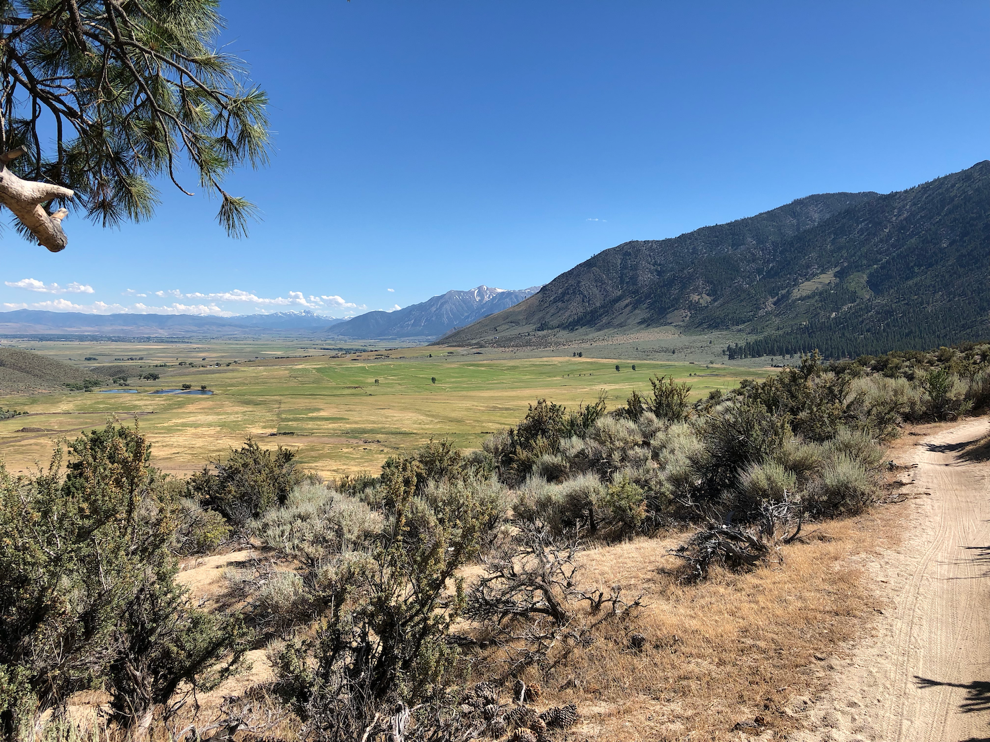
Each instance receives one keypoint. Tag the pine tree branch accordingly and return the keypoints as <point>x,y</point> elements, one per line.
<point>129,89</point>
<point>25,198</point>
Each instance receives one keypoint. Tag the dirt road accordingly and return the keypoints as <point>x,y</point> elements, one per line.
<point>925,674</point>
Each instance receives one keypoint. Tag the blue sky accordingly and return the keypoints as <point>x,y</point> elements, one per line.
<point>427,146</point>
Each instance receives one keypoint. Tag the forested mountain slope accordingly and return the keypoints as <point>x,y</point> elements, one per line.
<point>643,282</point>
<point>910,270</point>
<point>846,273</point>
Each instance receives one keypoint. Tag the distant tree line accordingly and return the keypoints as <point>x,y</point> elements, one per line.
<point>856,336</point>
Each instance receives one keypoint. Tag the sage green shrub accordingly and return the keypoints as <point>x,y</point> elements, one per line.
<point>880,404</point>
<point>765,483</point>
<point>858,445</point>
<point>199,531</point>
<point>316,521</point>
<point>622,507</point>
<point>563,508</point>
<point>802,458</point>
<point>248,483</point>
<point>86,565</point>
<point>844,487</point>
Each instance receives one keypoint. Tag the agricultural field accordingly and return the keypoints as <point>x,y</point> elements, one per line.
<point>341,412</point>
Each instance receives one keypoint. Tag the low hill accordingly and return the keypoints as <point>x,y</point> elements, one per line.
<point>22,371</point>
<point>434,317</point>
<point>846,273</point>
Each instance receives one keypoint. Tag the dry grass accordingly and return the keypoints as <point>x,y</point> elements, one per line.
<point>731,649</point>
<point>727,650</point>
<point>717,653</point>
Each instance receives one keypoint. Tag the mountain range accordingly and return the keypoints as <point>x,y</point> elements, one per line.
<point>433,317</point>
<point>424,321</point>
<point>37,322</point>
<point>847,273</point>
<point>844,273</point>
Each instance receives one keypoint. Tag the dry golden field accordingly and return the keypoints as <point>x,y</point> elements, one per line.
<point>326,406</point>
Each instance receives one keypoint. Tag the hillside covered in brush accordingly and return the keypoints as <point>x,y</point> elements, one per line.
<point>846,273</point>
<point>22,371</point>
<point>549,587</point>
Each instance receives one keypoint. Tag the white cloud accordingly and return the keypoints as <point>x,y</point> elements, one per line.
<point>337,301</point>
<point>100,307</point>
<point>294,299</point>
<point>596,220</point>
<point>391,291</point>
<point>203,310</point>
<point>177,302</point>
<point>64,305</point>
<point>32,284</point>
<point>395,308</point>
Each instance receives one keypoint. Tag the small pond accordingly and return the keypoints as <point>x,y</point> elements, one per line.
<point>191,392</point>
<point>118,391</point>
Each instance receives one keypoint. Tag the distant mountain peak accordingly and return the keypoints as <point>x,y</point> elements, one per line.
<point>288,313</point>
<point>434,317</point>
<point>480,293</point>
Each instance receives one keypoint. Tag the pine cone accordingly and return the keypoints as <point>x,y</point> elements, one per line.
<point>486,694</point>
<point>521,716</point>
<point>560,717</point>
<point>496,727</point>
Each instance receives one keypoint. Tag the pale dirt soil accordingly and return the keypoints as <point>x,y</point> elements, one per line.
<point>924,673</point>
<point>205,577</point>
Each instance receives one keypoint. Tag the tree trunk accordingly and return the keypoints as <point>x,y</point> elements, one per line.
<point>140,731</point>
<point>25,198</point>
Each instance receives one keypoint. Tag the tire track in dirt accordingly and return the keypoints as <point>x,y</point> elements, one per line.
<point>906,614</point>
<point>924,675</point>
